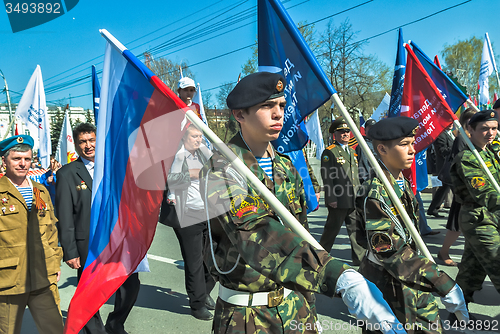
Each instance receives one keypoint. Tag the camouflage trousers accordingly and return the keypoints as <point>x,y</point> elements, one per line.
<point>293,315</point>
<point>481,255</point>
<point>417,310</point>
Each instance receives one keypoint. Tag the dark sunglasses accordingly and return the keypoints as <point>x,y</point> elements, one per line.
<point>344,131</point>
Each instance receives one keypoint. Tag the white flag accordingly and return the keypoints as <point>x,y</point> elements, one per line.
<point>485,72</point>
<point>199,100</point>
<point>66,152</point>
<point>382,109</point>
<point>314,131</point>
<point>32,110</point>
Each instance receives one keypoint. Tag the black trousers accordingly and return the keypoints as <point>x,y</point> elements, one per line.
<point>336,217</point>
<point>125,298</point>
<point>94,325</point>
<point>438,198</point>
<point>193,241</point>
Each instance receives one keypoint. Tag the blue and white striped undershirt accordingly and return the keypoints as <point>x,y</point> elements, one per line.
<point>401,184</point>
<point>27,193</point>
<point>267,165</point>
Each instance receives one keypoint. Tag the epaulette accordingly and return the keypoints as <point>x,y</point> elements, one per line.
<point>330,147</point>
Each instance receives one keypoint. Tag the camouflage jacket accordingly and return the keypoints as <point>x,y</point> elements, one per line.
<point>253,249</point>
<point>471,186</point>
<point>389,241</point>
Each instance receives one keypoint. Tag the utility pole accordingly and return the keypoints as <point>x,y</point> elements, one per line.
<point>11,128</point>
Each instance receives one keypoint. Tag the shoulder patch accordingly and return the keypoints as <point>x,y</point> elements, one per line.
<point>477,182</point>
<point>381,242</point>
<point>242,205</point>
<point>326,158</point>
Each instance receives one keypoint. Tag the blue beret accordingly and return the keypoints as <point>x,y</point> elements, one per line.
<point>10,142</point>
<point>483,116</point>
<point>256,88</point>
<point>393,128</point>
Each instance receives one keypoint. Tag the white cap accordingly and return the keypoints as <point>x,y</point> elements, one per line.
<point>186,82</point>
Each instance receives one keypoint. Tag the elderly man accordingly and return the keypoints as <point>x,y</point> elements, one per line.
<point>29,253</point>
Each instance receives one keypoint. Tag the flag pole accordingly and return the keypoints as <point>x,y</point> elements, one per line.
<point>8,129</point>
<point>388,187</point>
<point>265,193</point>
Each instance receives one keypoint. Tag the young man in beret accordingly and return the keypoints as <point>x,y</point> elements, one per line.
<point>267,273</point>
<point>29,253</point>
<point>480,211</point>
<point>406,278</point>
<point>339,170</point>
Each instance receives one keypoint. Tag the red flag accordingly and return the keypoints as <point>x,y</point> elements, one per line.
<point>495,97</point>
<point>475,101</point>
<point>423,102</point>
<point>436,61</point>
<point>17,132</point>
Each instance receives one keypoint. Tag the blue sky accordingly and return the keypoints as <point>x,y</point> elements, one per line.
<point>73,39</point>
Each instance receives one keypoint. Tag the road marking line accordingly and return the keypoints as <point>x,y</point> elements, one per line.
<point>165,260</point>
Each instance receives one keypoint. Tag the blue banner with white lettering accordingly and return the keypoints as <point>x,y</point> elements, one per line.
<point>96,93</point>
<point>299,162</point>
<point>451,93</point>
<point>421,170</point>
<point>398,79</point>
<point>282,48</point>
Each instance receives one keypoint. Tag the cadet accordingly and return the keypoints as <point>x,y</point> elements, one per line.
<point>339,170</point>
<point>480,211</point>
<point>393,263</point>
<point>29,253</point>
<point>266,272</point>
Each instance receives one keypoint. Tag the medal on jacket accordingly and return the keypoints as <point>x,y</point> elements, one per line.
<point>39,203</point>
<point>341,160</point>
<point>12,208</point>
<point>83,185</point>
<point>4,209</point>
<point>5,200</point>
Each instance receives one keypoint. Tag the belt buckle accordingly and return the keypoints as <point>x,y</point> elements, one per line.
<point>274,298</point>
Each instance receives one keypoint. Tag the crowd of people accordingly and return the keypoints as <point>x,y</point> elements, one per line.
<point>228,233</point>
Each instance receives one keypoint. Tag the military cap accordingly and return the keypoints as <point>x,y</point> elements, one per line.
<point>10,142</point>
<point>370,122</point>
<point>497,104</point>
<point>483,116</point>
<point>393,128</point>
<point>256,88</point>
<point>338,124</point>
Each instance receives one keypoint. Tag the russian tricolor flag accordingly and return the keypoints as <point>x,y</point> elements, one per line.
<point>141,124</point>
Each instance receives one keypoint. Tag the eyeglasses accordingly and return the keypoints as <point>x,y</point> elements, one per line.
<point>344,131</point>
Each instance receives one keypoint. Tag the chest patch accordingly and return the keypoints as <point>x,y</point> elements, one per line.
<point>381,242</point>
<point>477,182</point>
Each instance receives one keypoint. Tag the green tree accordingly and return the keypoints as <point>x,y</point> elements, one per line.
<point>462,60</point>
<point>56,128</point>
<point>88,117</point>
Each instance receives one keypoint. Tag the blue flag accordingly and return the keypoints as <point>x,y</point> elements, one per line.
<point>96,93</point>
<point>451,93</point>
<point>399,79</point>
<point>421,170</point>
<point>282,48</point>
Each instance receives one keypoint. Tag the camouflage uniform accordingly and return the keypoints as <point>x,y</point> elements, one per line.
<point>479,218</point>
<point>393,263</point>
<point>268,255</point>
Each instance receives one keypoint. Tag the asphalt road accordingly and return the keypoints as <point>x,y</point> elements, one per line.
<point>162,305</point>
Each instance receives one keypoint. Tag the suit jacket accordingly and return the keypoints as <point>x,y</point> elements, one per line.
<point>73,203</point>
<point>29,253</point>
<point>340,176</point>
<point>442,147</point>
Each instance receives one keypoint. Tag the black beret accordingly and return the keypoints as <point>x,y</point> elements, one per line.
<point>370,122</point>
<point>483,116</point>
<point>10,142</point>
<point>338,124</point>
<point>256,88</point>
<point>393,128</point>
<point>497,104</point>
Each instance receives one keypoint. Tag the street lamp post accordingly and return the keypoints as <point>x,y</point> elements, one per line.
<point>11,129</point>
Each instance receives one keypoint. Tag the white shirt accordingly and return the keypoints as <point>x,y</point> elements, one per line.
<point>90,166</point>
